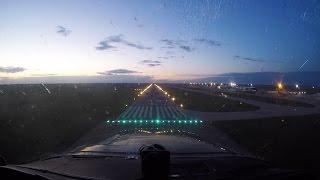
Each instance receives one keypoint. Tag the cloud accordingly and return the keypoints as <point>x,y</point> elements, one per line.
<point>163,57</point>
<point>209,42</point>
<point>186,48</point>
<point>118,72</point>
<point>170,44</point>
<point>78,79</point>
<point>255,59</point>
<point>151,63</point>
<point>11,69</point>
<point>44,75</point>
<point>248,59</point>
<point>104,45</point>
<point>119,39</point>
<point>63,31</point>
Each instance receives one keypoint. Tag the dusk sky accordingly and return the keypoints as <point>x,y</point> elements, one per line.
<point>165,39</point>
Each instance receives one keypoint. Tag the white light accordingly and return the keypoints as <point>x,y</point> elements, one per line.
<point>181,105</point>
<point>297,86</point>
<point>232,84</point>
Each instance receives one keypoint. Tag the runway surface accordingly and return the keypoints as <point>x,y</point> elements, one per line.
<point>154,104</point>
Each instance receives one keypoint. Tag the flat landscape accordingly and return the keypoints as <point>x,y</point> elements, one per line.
<point>40,120</point>
<point>37,120</point>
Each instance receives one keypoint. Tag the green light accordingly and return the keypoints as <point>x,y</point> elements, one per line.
<point>196,121</point>
<point>190,121</point>
<point>140,121</point>
<point>108,121</point>
<point>129,121</point>
<point>157,121</point>
<point>163,121</point>
<point>201,121</point>
<point>179,121</point>
<point>151,121</point>
<point>118,121</point>
<point>135,121</point>
<point>185,121</point>
<point>124,121</point>
<point>168,121</point>
<point>146,121</point>
<point>112,121</point>
<point>174,121</point>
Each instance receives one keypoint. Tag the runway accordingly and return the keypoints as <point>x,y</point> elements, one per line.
<point>154,104</point>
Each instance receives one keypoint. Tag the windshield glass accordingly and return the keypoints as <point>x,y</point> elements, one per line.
<point>94,77</point>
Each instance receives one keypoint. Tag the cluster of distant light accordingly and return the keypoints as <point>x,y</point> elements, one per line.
<point>154,121</point>
<point>167,94</point>
<point>234,84</point>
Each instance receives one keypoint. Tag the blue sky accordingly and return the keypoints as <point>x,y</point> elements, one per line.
<point>165,39</point>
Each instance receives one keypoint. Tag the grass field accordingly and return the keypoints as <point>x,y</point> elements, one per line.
<point>35,122</point>
<point>287,141</point>
<point>207,103</point>
<point>275,99</point>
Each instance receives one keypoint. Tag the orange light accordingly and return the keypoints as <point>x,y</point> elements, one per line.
<point>280,86</point>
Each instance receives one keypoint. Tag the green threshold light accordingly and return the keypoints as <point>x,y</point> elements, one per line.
<point>157,122</point>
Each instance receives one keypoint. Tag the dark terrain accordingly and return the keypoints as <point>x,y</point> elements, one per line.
<point>35,123</point>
